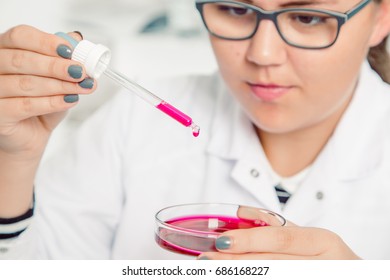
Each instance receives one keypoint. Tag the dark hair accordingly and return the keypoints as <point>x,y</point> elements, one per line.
<point>379,58</point>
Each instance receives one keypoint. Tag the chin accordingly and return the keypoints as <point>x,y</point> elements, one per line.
<point>272,125</point>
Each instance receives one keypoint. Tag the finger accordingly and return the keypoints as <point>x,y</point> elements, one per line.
<point>26,62</point>
<point>77,35</point>
<point>260,216</point>
<point>29,38</point>
<point>18,109</point>
<point>33,86</point>
<point>253,256</point>
<point>283,240</point>
<point>72,38</point>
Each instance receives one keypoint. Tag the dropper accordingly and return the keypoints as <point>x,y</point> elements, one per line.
<point>96,57</point>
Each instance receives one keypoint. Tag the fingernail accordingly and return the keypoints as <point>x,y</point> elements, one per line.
<point>87,83</point>
<point>68,38</point>
<point>80,34</point>
<point>223,243</point>
<point>71,98</point>
<point>203,258</point>
<point>64,51</point>
<point>75,71</point>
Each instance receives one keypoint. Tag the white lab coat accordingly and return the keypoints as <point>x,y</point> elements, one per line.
<point>98,198</point>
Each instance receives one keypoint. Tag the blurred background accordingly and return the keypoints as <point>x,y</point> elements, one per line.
<point>148,38</point>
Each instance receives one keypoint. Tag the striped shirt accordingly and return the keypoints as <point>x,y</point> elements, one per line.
<point>287,186</point>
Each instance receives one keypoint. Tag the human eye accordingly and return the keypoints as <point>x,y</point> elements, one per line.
<point>309,19</point>
<point>235,10</point>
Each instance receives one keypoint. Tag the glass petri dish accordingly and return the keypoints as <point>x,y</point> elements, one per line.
<point>191,229</point>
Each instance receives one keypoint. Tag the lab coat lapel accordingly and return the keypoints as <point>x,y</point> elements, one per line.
<point>307,204</point>
<point>254,178</point>
<point>357,152</point>
<point>350,155</point>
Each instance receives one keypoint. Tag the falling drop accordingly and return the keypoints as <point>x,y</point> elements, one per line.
<point>195,130</point>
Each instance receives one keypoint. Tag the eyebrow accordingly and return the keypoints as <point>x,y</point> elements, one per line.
<point>296,2</point>
<point>307,3</point>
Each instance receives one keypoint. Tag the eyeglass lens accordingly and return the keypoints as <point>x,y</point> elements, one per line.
<point>301,28</point>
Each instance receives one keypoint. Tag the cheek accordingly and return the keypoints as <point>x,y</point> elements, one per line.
<point>329,74</point>
<point>230,57</point>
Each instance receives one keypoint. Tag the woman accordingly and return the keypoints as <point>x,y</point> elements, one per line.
<point>310,121</point>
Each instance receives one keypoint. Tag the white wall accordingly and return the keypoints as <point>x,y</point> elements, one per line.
<point>116,24</point>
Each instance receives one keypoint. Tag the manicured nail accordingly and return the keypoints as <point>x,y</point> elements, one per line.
<point>71,98</point>
<point>203,258</point>
<point>68,38</point>
<point>64,51</point>
<point>75,71</point>
<point>87,83</point>
<point>223,243</point>
<point>80,34</point>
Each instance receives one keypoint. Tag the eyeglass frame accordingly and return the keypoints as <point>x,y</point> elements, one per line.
<point>261,14</point>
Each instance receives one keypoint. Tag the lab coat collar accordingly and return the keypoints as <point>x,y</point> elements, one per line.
<point>357,152</point>
<point>233,132</point>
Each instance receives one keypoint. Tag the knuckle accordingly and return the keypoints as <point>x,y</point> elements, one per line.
<point>17,59</point>
<point>284,240</point>
<point>26,105</point>
<point>332,238</point>
<point>53,103</point>
<point>15,33</point>
<point>26,83</point>
<point>67,87</point>
<point>51,67</point>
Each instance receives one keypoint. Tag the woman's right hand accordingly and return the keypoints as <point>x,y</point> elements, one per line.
<point>38,84</point>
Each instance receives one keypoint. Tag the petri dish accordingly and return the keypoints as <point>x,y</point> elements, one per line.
<point>191,229</point>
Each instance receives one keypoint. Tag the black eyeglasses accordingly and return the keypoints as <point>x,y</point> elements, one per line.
<point>298,27</point>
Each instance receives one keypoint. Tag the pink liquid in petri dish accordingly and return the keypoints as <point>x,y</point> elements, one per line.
<point>197,234</point>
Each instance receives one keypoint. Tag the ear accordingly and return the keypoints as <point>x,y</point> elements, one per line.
<point>382,24</point>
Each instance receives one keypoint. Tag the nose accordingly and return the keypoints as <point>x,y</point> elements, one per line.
<point>266,47</point>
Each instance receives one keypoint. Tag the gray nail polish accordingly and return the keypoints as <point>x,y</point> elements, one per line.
<point>203,258</point>
<point>64,51</point>
<point>87,83</point>
<point>68,38</point>
<point>71,98</point>
<point>223,243</point>
<point>75,71</point>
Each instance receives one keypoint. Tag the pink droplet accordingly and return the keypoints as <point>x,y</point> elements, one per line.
<point>196,131</point>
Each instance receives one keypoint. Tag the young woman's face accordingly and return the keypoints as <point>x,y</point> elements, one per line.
<point>284,88</point>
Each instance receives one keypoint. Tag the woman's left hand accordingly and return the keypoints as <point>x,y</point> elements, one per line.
<point>288,242</point>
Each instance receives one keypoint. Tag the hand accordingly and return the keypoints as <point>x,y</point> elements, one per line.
<point>38,84</point>
<point>284,243</point>
<point>36,88</point>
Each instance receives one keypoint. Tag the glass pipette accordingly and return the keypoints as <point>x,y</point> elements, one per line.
<point>153,100</point>
<point>95,58</point>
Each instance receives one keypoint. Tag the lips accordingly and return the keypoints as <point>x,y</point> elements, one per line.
<point>269,92</point>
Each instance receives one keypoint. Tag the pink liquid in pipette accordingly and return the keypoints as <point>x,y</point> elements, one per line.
<point>178,115</point>
<point>188,243</point>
